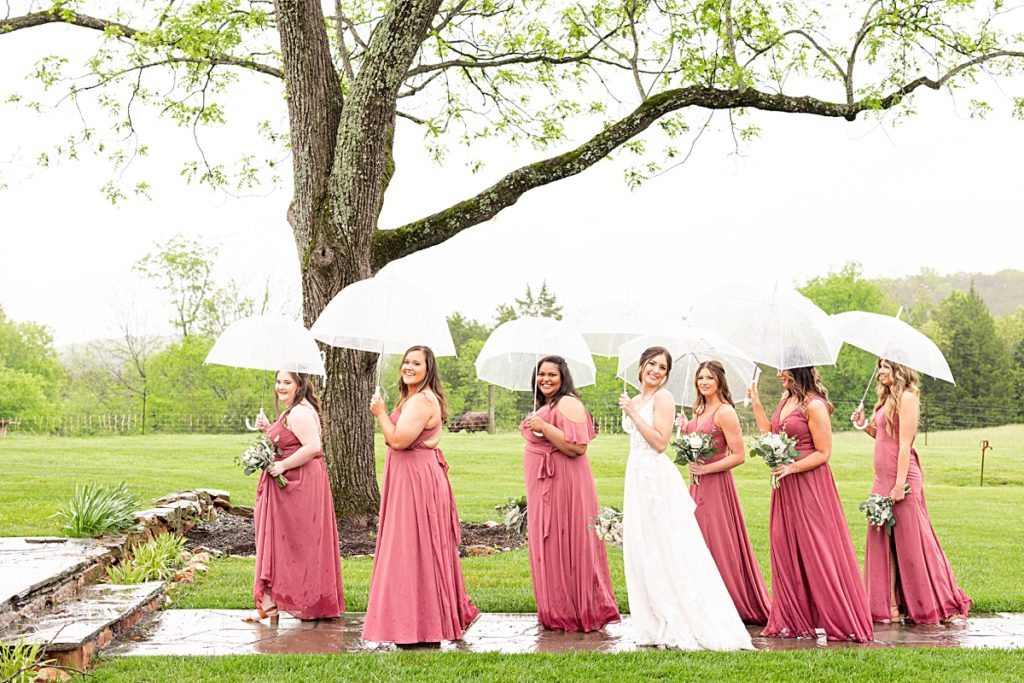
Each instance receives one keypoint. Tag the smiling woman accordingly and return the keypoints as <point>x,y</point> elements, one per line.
<point>568,561</point>
<point>417,594</point>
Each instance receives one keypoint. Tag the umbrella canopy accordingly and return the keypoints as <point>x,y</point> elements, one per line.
<point>267,343</point>
<point>771,322</point>
<point>384,314</point>
<point>609,325</point>
<point>690,346</point>
<point>509,356</point>
<point>891,338</point>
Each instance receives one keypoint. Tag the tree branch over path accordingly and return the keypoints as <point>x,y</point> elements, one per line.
<point>109,27</point>
<point>439,227</point>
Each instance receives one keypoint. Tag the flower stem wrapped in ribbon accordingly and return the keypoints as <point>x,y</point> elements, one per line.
<point>878,510</point>
<point>693,447</point>
<point>260,456</point>
<point>776,450</point>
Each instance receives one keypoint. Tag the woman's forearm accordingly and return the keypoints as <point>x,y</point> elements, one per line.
<point>556,437</point>
<point>761,418</point>
<point>300,457</point>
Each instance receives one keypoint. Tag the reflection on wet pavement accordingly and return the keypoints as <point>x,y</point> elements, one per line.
<point>221,632</point>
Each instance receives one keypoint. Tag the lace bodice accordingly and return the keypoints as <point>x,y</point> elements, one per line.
<point>637,442</point>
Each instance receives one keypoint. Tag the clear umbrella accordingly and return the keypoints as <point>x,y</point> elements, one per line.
<point>266,342</point>
<point>890,338</point>
<point>689,346</point>
<point>510,355</point>
<point>607,326</point>
<point>384,315</point>
<point>771,322</point>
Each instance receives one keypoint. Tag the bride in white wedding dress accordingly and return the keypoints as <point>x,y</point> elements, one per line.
<point>676,596</point>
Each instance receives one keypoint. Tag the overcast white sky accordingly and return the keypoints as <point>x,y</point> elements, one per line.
<point>941,190</point>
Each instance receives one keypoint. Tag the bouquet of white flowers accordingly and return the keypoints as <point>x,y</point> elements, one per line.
<point>775,450</point>
<point>693,447</point>
<point>260,456</point>
<point>878,509</point>
<point>608,525</point>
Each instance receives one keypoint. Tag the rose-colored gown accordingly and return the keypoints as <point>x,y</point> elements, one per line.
<point>417,594</point>
<point>816,582</point>
<point>721,522</point>
<point>297,558</point>
<point>926,590</point>
<point>568,562</point>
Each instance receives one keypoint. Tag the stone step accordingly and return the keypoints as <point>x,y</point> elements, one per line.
<point>38,573</point>
<point>74,631</point>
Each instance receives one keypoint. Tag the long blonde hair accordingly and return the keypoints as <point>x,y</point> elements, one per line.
<point>903,379</point>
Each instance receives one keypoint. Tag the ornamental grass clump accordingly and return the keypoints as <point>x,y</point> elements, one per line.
<point>95,510</point>
<point>154,560</point>
<point>20,661</point>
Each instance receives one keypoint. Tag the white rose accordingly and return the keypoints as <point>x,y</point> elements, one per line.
<point>694,441</point>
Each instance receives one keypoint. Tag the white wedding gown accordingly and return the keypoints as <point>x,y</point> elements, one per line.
<point>676,596</point>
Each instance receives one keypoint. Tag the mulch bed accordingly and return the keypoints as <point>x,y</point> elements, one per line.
<point>233,533</point>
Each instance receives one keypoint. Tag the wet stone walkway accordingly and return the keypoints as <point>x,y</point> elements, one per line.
<point>221,632</point>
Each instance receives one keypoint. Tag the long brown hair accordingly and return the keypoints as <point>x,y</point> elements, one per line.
<point>304,391</point>
<point>718,370</point>
<point>432,381</point>
<point>807,381</point>
<point>903,379</point>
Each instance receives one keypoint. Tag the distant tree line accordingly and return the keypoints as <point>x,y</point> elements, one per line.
<point>162,384</point>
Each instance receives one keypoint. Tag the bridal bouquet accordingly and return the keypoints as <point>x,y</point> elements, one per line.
<point>878,509</point>
<point>693,447</point>
<point>260,456</point>
<point>608,525</point>
<point>775,450</point>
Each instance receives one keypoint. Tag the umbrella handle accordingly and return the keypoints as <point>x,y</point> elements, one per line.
<point>864,426</point>
<point>250,426</point>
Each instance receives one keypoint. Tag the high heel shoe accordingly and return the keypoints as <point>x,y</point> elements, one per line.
<point>272,613</point>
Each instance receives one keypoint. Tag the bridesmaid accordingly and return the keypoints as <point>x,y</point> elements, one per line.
<point>568,562</point>
<point>417,594</point>
<point>718,507</point>
<point>906,573</point>
<point>816,582</point>
<point>298,566</point>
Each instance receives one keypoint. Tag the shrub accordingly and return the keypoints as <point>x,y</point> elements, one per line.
<point>155,560</point>
<point>514,514</point>
<point>95,510</point>
<point>18,662</point>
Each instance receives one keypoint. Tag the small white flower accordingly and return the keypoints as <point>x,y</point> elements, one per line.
<point>694,441</point>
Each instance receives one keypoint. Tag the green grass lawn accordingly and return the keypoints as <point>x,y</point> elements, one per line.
<point>850,666</point>
<point>980,529</point>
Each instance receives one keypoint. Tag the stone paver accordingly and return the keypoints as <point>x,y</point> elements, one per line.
<point>221,632</point>
<point>30,563</point>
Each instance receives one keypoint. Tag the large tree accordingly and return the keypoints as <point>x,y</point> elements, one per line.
<point>464,69</point>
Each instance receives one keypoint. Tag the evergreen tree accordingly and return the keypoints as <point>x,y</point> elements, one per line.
<point>980,361</point>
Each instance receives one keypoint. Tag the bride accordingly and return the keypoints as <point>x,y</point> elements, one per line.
<point>676,596</point>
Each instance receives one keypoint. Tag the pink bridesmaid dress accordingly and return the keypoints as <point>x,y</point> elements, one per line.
<point>297,558</point>
<point>816,582</point>
<point>568,562</point>
<point>417,594</point>
<point>721,522</point>
<point>925,588</point>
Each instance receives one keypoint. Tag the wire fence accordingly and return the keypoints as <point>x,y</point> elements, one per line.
<point>935,416</point>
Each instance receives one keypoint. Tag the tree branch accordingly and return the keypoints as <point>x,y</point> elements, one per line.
<point>435,229</point>
<point>106,26</point>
